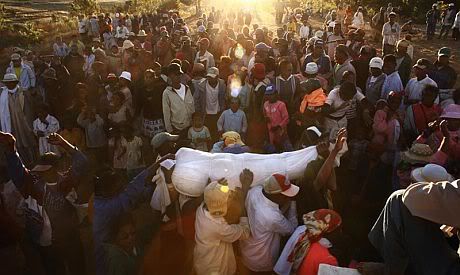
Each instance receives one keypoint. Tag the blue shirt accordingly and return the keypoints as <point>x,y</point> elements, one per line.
<point>230,121</point>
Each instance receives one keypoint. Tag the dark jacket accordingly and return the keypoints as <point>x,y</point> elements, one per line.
<point>404,69</point>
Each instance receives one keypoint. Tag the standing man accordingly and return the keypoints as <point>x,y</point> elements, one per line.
<point>203,56</point>
<point>415,86</point>
<point>22,71</point>
<point>403,61</point>
<point>390,32</point>
<point>210,99</point>
<point>448,17</point>
<point>432,18</point>
<point>178,103</point>
<point>443,74</point>
<point>272,214</point>
<point>342,64</point>
<point>16,117</point>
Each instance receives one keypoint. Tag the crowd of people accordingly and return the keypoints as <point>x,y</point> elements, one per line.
<point>108,109</point>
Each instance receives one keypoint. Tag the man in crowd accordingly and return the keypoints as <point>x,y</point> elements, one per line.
<point>22,71</point>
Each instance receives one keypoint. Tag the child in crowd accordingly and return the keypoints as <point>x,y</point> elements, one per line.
<point>199,134</point>
<point>132,148</point>
<point>116,151</point>
<point>277,118</point>
<point>44,125</point>
<point>119,112</point>
<point>233,119</point>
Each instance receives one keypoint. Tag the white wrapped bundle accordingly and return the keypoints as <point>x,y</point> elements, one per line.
<point>194,168</point>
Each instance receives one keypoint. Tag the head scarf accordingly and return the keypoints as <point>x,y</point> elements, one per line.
<point>318,223</point>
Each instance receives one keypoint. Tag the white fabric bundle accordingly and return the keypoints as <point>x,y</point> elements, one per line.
<point>194,168</point>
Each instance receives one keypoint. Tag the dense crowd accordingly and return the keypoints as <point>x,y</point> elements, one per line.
<point>108,109</point>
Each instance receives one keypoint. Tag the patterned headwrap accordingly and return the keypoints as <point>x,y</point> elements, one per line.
<point>318,223</point>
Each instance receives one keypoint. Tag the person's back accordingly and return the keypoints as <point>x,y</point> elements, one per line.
<point>268,224</point>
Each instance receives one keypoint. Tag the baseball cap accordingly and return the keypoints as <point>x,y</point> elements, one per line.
<point>213,72</point>
<point>311,68</point>
<point>319,42</point>
<point>376,62</point>
<point>216,197</point>
<point>175,68</point>
<point>160,138</point>
<point>444,51</point>
<point>392,13</point>
<point>422,63</point>
<point>46,162</point>
<point>270,89</point>
<point>279,184</point>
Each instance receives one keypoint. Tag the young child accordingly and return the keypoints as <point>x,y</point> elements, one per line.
<point>44,125</point>
<point>199,134</point>
<point>96,139</point>
<point>132,147</point>
<point>312,101</point>
<point>233,119</point>
<point>277,118</point>
<point>119,112</point>
<point>116,151</point>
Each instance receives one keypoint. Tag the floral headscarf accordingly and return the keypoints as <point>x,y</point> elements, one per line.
<point>318,223</point>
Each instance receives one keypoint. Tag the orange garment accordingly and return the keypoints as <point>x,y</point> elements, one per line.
<point>317,98</point>
<point>317,255</point>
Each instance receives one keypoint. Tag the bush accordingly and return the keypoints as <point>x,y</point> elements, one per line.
<point>84,6</point>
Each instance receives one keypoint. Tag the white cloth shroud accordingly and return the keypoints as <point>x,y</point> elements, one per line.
<point>194,168</point>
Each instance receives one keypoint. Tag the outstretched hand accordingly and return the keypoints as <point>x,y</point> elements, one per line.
<point>7,141</point>
<point>341,138</point>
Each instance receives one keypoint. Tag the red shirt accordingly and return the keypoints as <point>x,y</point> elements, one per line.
<point>317,255</point>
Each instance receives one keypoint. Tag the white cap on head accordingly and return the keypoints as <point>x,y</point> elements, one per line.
<point>126,75</point>
<point>376,62</point>
<point>311,68</point>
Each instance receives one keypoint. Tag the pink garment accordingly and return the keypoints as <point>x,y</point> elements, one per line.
<point>384,130</point>
<point>278,116</point>
<point>435,140</point>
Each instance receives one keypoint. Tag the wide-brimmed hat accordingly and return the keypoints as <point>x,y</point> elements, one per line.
<point>127,44</point>
<point>10,78</point>
<point>431,173</point>
<point>451,111</point>
<point>142,33</point>
<point>126,75</point>
<point>418,153</point>
<point>280,184</point>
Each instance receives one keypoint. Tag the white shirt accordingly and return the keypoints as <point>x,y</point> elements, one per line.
<point>414,88</point>
<point>260,252</point>
<point>212,99</point>
<point>82,26</point>
<point>51,127</point>
<point>391,33</point>
<point>213,252</point>
<point>122,32</point>
<point>304,31</point>
<point>339,105</point>
<point>181,91</point>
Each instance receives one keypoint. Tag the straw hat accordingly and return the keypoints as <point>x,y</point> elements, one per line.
<point>418,153</point>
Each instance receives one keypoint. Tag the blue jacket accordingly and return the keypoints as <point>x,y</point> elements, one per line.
<point>107,210</point>
<point>199,96</point>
